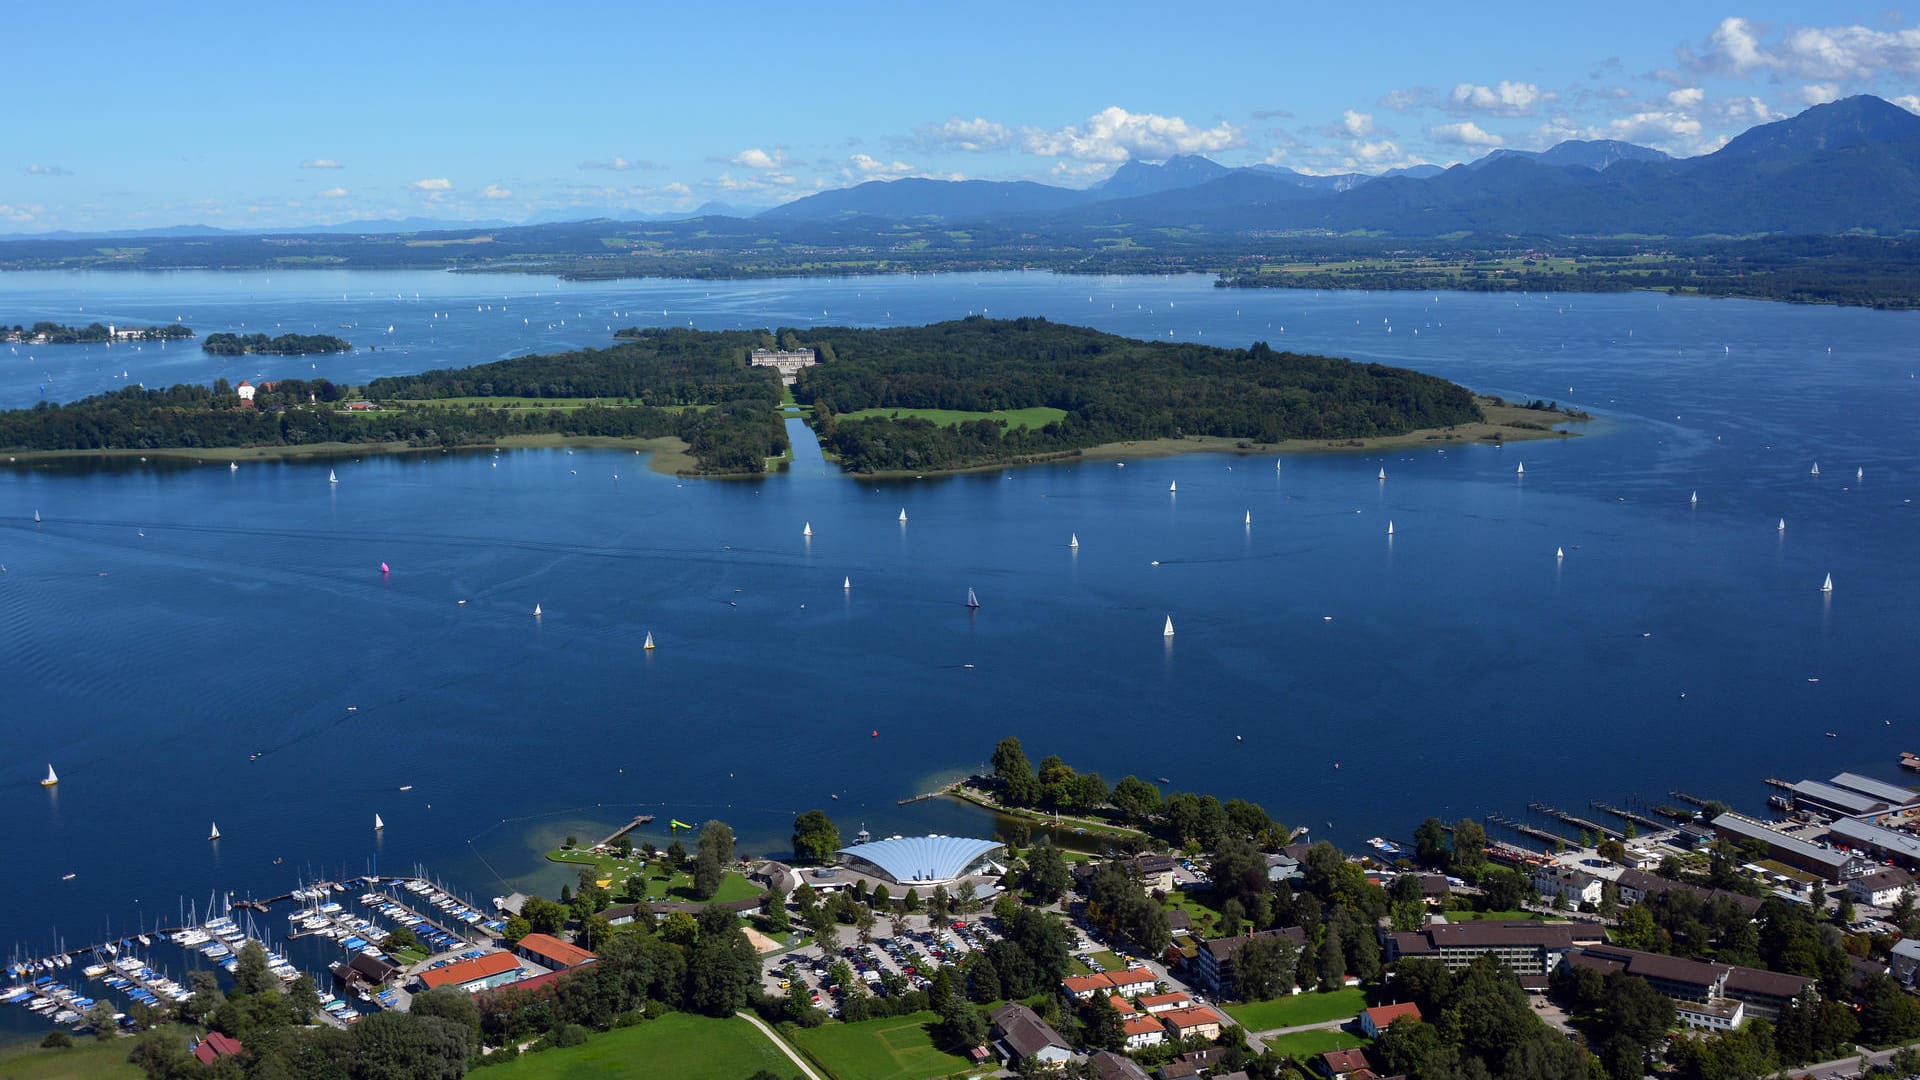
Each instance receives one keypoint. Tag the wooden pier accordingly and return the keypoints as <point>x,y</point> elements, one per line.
<point>1628,815</point>
<point>1599,831</point>
<point>639,820</point>
<point>1530,831</point>
<point>1690,799</point>
<point>1776,782</point>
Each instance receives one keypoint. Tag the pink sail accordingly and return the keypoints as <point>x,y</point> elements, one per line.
<point>384,570</point>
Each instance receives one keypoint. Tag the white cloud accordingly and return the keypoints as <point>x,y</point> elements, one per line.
<point>20,215</point>
<point>47,170</point>
<point>865,165</point>
<point>1819,93</point>
<point>321,163</point>
<point>334,193</point>
<point>1356,124</point>
<point>756,158</point>
<point>495,191</point>
<point>1373,153</point>
<point>1814,52</point>
<point>1505,99</point>
<point>1409,98</point>
<point>1745,110</point>
<point>438,183</point>
<point>1115,135</point>
<point>1656,126</point>
<point>1464,133</point>
<point>974,136</point>
<point>1909,102</point>
<point>1688,98</point>
<point>767,183</point>
<point>618,164</point>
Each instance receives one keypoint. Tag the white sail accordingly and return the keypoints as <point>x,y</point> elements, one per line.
<point>649,641</point>
<point>846,583</point>
<point>1276,466</point>
<point>1816,468</point>
<point>1694,499</point>
<point>233,466</point>
<point>1249,519</point>
<point>1783,525</point>
<point>215,834</point>
<point>536,611</point>
<point>36,517</point>
<point>1173,487</point>
<point>51,778</point>
<point>1073,540</point>
<point>808,531</point>
<point>331,478</point>
<point>1827,586</point>
<point>1383,472</point>
<point>1860,474</point>
<point>903,515</point>
<point>378,824</point>
<point>1521,470</point>
<point>1559,553</point>
<point>972,600</point>
<point>1168,632</point>
<point>1389,526</point>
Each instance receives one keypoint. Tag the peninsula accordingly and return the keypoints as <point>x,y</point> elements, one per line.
<point>964,394</point>
<point>52,333</point>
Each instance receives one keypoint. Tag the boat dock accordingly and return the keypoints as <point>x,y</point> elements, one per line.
<point>1776,782</point>
<point>1599,831</point>
<point>1691,800</point>
<point>1530,831</point>
<point>1628,815</point>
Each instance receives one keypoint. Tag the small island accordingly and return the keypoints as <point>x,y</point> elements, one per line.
<point>284,345</point>
<point>970,393</point>
<point>52,333</point>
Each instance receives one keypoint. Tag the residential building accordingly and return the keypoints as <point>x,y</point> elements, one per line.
<point>245,390</point>
<point>1376,1020</point>
<point>1881,888</point>
<point>1132,982</point>
<point>214,1047</point>
<point>473,976</point>
<point>1129,983</point>
<point>1284,867</point>
<point>1191,1064</point>
<point>1086,987</point>
<point>1343,1064</point>
<point>1636,886</point>
<point>1763,993</point>
<point>1108,1065</point>
<point>1527,947</point>
<point>1159,1003</point>
<point>1020,1035</point>
<point>1576,886</point>
<point>1904,963</point>
<point>1198,1020</point>
<point>1214,960</point>
<point>1154,871</point>
<point>552,953</point>
<point>1710,1016</point>
<point>1143,1031</point>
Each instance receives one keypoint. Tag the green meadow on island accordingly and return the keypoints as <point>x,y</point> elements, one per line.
<point>957,395</point>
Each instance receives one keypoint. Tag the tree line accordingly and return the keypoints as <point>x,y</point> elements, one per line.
<point>284,345</point>
<point>53,333</point>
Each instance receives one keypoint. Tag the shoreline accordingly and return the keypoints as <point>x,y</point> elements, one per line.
<point>666,454</point>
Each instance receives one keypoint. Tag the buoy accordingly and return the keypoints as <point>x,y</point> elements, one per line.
<point>875,733</point>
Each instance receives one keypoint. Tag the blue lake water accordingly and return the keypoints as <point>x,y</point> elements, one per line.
<point>1344,680</point>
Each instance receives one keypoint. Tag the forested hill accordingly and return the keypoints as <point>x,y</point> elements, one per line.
<point>1112,389</point>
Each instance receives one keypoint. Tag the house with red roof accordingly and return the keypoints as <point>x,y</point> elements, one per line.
<point>473,976</point>
<point>1344,1065</point>
<point>1143,1031</point>
<point>552,953</point>
<point>214,1047</point>
<point>1378,1019</point>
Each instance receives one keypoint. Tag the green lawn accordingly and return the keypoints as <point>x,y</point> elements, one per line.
<point>1203,916</point>
<point>1037,417</point>
<point>680,1045</point>
<point>1306,1008</point>
<point>1306,1044</point>
<point>1109,961</point>
<point>87,1058</point>
<point>657,880</point>
<point>897,1048</point>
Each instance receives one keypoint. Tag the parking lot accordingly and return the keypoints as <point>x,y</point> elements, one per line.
<point>888,964</point>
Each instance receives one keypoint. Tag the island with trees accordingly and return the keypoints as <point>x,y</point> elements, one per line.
<point>283,345</point>
<point>52,333</point>
<point>955,395</point>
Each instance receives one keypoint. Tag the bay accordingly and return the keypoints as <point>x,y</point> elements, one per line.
<point>1348,682</point>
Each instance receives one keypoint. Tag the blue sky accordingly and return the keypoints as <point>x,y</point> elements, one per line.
<point>269,115</point>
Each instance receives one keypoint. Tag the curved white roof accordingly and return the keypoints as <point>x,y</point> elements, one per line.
<point>908,859</point>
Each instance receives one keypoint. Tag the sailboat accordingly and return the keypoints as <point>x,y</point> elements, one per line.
<point>36,517</point>
<point>903,515</point>
<point>972,600</point>
<point>1173,488</point>
<point>1827,586</point>
<point>1383,472</point>
<point>1783,525</point>
<point>233,466</point>
<point>1694,499</point>
<point>1559,553</point>
<point>1249,518</point>
<point>378,824</point>
<point>536,611</point>
<point>808,531</point>
<point>1276,466</point>
<point>1521,470</point>
<point>649,642</point>
<point>1168,632</point>
<point>1816,468</point>
<point>1860,474</point>
<point>846,583</point>
<point>332,479</point>
<point>215,834</point>
<point>1073,540</point>
<point>1389,526</point>
<point>51,778</point>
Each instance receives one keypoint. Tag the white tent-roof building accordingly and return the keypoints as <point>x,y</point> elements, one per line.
<point>920,860</point>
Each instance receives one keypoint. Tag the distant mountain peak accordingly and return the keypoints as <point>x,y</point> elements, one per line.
<point>1595,154</point>
<point>1837,125</point>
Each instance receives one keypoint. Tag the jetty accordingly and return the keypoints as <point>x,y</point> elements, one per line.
<point>1690,799</point>
<point>1601,832</point>
<point>639,820</point>
<point>1776,782</point>
<point>1530,831</point>
<point>1628,815</point>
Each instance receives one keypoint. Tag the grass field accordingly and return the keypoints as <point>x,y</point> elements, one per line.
<point>1299,1009</point>
<point>896,1048</point>
<point>1203,916</point>
<point>87,1058</point>
<point>660,883</point>
<point>1036,417</point>
<point>679,1045</point>
<point>1306,1044</point>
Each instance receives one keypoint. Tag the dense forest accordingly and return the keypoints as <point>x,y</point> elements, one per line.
<point>1112,388</point>
<point>284,345</point>
<point>665,383</point>
<point>52,333</point>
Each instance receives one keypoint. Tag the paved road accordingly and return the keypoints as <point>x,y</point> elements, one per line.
<point>782,1044</point>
